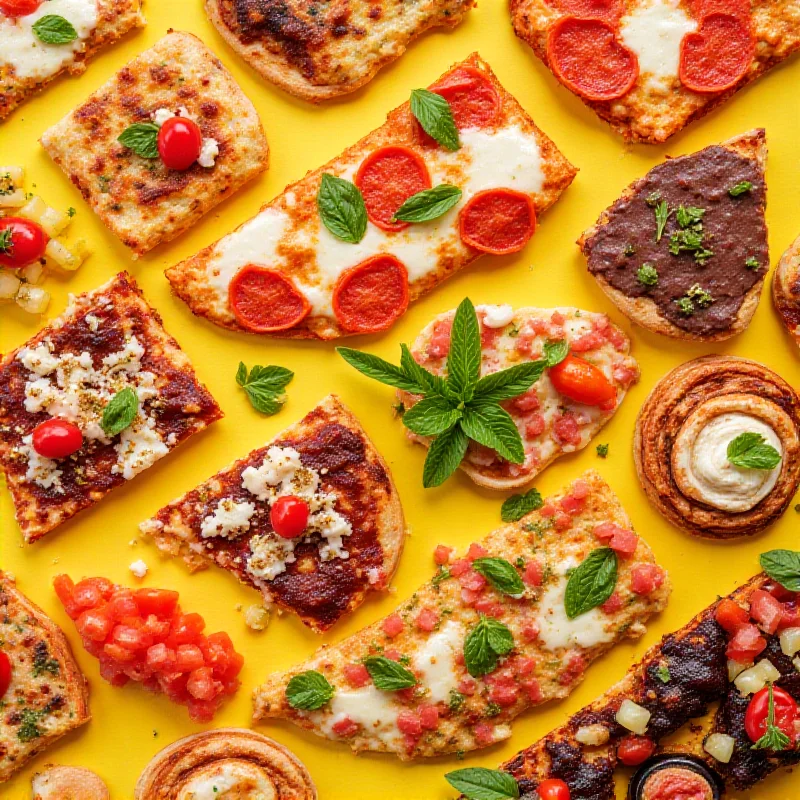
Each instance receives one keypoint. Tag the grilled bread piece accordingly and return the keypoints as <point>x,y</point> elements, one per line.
<point>786,290</point>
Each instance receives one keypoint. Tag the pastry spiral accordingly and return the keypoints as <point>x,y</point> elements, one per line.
<point>222,764</point>
<point>681,439</point>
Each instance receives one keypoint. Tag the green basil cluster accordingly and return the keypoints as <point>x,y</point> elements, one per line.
<point>265,386</point>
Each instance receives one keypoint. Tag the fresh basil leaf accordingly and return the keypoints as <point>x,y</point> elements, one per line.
<point>662,213</point>
<point>379,370</point>
<point>429,204</point>
<point>264,386</point>
<point>433,384</point>
<point>431,416</point>
<point>592,583</point>
<point>388,675</point>
<point>501,574</point>
<point>241,374</point>
<point>494,428</point>
<point>142,138</point>
<point>782,566</point>
<point>508,383</point>
<point>745,187</point>
<point>750,450</point>
<point>309,691</point>
<point>464,357</point>
<point>444,455</point>
<point>120,411</point>
<point>501,639</point>
<point>518,505</point>
<point>479,783</point>
<point>53,29</point>
<point>436,117</point>
<point>272,376</point>
<point>341,208</point>
<point>484,644</point>
<point>556,352</point>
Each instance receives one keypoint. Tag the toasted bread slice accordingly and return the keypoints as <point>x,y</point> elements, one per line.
<point>786,290</point>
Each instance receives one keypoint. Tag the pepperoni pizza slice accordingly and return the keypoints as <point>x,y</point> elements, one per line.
<point>494,633</point>
<point>312,520</point>
<point>650,67</point>
<point>92,400</point>
<point>346,249</point>
<point>43,694</point>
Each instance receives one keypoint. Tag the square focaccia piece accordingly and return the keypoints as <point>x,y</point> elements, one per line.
<point>651,67</point>
<point>106,379</point>
<point>28,64</point>
<point>138,197</point>
<point>312,520</point>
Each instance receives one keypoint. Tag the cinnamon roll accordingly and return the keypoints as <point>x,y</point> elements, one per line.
<point>717,446</point>
<point>225,764</point>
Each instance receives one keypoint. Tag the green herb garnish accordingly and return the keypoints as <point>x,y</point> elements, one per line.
<point>53,29</point>
<point>783,566</point>
<point>433,112</point>
<point>518,505</point>
<point>341,208</point>
<point>647,275</point>
<point>309,691</point>
<point>501,575</point>
<point>429,204</point>
<point>745,187</point>
<point>479,783</point>
<point>388,675</point>
<point>750,450</point>
<point>120,411</point>
<point>484,645</point>
<point>602,450</point>
<point>591,583</point>
<point>264,386</point>
<point>142,138</point>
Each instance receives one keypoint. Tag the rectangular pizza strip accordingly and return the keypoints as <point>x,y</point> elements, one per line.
<point>109,343</point>
<point>450,688</point>
<point>288,255</point>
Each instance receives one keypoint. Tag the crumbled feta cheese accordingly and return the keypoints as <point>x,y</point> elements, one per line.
<point>92,321</point>
<point>42,471</point>
<point>228,520</point>
<point>161,115</point>
<point>209,150</point>
<point>138,568</point>
<point>139,447</point>
<point>373,576</point>
<point>497,316</point>
<point>277,470</point>
<point>256,618</point>
<point>269,555</point>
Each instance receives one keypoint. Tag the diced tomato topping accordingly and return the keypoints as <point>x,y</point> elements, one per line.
<point>161,602</point>
<point>633,750</point>
<point>535,426</point>
<point>790,618</point>
<point>548,510</point>
<point>523,665</point>
<point>160,657</point>
<point>201,684</point>
<point>356,675</point>
<point>95,624</point>
<point>429,717</point>
<point>426,619</point>
<point>87,594</point>
<point>393,625</point>
<point>530,631</point>
<point>467,686</point>
<point>122,605</point>
<point>489,336</point>
<point>624,374</point>
<point>490,607</point>
<point>441,555</point>
<point>393,654</point>
<point>766,610</point>
<point>528,401</point>
<point>345,727</point>
<point>624,542</point>
<point>459,567</point>
<point>504,695</point>
<point>189,657</point>
<point>646,578</point>
<point>532,689</point>
<point>580,489</point>
<point>484,733</point>
<point>533,573</point>
<point>605,531</point>
<point>566,430</point>
<point>468,597</point>
<point>746,644</point>
<point>613,604</point>
<point>571,504</point>
<point>472,580</point>
<point>589,341</point>
<point>439,345</point>
<point>562,521</point>
<point>574,668</point>
<point>476,551</point>
<point>408,722</point>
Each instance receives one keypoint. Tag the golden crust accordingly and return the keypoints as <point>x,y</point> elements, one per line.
<point>68,783</point>
<point>190,279</point>
<point>786,290</point>
<point>115,19</point>
<point>175,528</point>
<point>332,65</point>
<point>30,726</point>
<point>649,117</point>
<point>139,200</point>
<point>121,304</point>
<point>456,729</point>
<point>683,393</point>
<point>643,310</point>
<point>230,752</point>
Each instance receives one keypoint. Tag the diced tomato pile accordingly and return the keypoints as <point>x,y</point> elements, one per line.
<point>143,635</point>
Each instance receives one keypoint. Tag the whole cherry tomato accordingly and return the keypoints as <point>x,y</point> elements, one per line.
<point>582,382</point>
<point>57,438</point>
<point>179,143</point>
<point>289,516</point>
<point>633,750</point>
<point>22,242</point>
<point>755,719</point>
<point>19,8</point>
<point>553,789</point>
<point>5,673</point>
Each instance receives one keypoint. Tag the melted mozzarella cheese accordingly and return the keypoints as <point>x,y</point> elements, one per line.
<point>22,49</point>
<point>436,661</point>
<point>374,710</point>
<point>654,31</point>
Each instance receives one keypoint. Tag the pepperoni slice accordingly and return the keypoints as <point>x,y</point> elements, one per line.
<point>372,295</point>
<point>585,55</point>
<point>701,9</point>
<point>264,300</point>
<point>718,55</point>
<point>387,178</point>
<point>498,221</point>
<point>609,10</point>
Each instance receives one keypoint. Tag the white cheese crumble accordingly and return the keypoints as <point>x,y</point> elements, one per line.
<point>269,556</point>
<point>228,520</point>
<point>209,150</point>
<point>497,316</point>
<point>138,568</point>
<point>42,471</point>
<point>92,321</point>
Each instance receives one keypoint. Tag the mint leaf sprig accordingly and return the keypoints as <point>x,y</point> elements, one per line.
<point>774,738</point>
<point>463,405</point>
<point>751,451</point>
<point>264,386</point>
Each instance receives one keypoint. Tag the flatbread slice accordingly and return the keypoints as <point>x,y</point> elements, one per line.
<point>445,709</point>
<point>302,266</point>
<point>27,64</point>
<point>786,290</point>
<point>318,53</point>
<point>549,423</point>
<point>354,534</point>
<point>640,47</point>
<point>106,342</point>
<point>139,199</point>
<point>47,696</point>
<point>698,275</point>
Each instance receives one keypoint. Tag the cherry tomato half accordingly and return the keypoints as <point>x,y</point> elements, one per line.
<point>179,143</point>
<point>5,673</point>
<point>582,382</point>
<point>25,243</point>
<point>289,516</point>
<point>553,789</point>
<point>633,750</point>
<point>57,438</point>
<point>19,8</point>
<point>755,719</point>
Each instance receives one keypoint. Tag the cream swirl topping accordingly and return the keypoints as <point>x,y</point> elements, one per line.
<point>704,471</point>
<point>229,779</point>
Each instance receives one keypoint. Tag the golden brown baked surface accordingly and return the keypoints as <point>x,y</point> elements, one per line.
<point>68,783</point>
<point>786,290</point>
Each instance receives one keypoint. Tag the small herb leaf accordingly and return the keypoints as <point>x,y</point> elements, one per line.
<point>431,416</point>
<point>508,383</point>
<point>745,187</point>
<point>264,386</point>
<point>309,691</point>
<point>556,352</point>
<point>379,370</point>
<point>430,383</point>
<point>120,411</point>
<point>492,426</point>
<point>782,566</point>
<point>341,208</point>
<point>774,738</point>
<point>518,505</point>
<point>388,675</point>
<point>662,213</point>
<point>53,29</point>
<point>142,138</point>
<point>750,450</point>
<point>592,583</point>
<point>479,783</point>
<point>501,574</point>
<point>444,455</point>
<point>483,645</point>
<point>464,357</point>
<point>429,204</point>
<point>434,114</point>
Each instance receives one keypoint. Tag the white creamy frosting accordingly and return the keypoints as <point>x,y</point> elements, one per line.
<point>705,471</point>
<point>229,778</point>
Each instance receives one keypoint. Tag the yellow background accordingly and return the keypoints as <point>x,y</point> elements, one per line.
<point>129,725</point>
